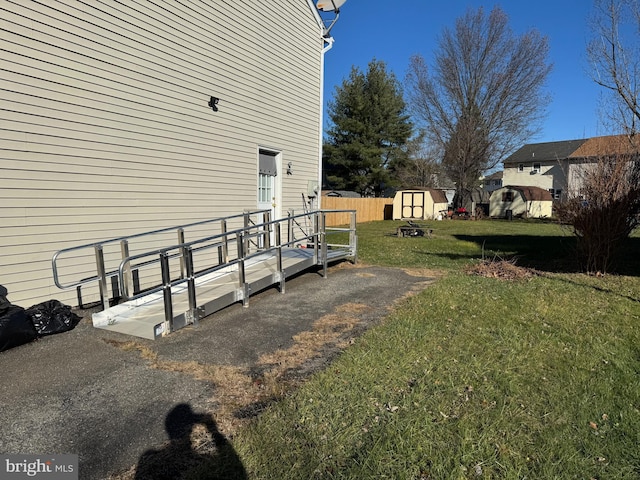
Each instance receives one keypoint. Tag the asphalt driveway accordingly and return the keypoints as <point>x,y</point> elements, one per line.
<point>79,393</point>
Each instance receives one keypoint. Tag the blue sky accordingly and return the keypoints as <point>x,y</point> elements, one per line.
<point>393,30</point>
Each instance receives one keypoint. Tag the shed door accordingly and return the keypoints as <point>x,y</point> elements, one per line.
<point>412,204</point>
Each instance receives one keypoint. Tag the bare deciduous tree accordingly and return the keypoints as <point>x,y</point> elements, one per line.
<point>614,54</point>
<point>485,95</point>
<point>605,209</point>
<point>422,168</point>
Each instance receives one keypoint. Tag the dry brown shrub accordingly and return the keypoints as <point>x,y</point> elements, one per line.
<point>605,209</point>
<point>502,269</point>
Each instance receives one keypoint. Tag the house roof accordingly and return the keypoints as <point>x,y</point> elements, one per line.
<point>609,145</point>
<point>574,149</point>
<point>532,193</point>
<point>495,176</point>
<point>549,151</point>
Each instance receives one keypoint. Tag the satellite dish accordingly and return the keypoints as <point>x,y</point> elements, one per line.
<point>330,5</point>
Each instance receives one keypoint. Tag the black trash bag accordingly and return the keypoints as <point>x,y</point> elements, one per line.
<point>3,296</point>
<point>16,327</point>
<point>52,317</point>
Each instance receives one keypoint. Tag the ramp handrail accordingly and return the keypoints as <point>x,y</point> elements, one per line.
<point>130,237</point>
<point>251,234</point>
<point>220,240</point>
<point>98,248</point>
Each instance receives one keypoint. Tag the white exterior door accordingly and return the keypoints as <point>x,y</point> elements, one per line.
<point>266,192</point>
<point>268,183</point>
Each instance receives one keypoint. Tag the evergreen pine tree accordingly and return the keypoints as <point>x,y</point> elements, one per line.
<point>369,131</point>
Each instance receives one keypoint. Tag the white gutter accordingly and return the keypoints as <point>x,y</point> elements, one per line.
<point>327,47</point>
<point>328,43</point>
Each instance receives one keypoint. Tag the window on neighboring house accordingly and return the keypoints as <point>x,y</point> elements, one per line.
<point>535,168</point>
<point>555,194</point>
<point>507,196</point>
<point>521,167</point>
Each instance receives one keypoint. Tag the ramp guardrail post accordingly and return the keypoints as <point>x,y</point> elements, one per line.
<point>166,292</point>
<point>127,280</point>
<point>266,230</point>
<point>322,218</point>
<point>316,243</point>
<point>180,232</point>
<point>225,244</point>
<point>279,257</point>
<point>192,316</point>
<point>290,226</point>
<point>242,280</point>
<point>353,238</point>
<point>102,277</point>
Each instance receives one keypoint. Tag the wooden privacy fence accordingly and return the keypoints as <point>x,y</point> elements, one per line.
<point>367,209</point>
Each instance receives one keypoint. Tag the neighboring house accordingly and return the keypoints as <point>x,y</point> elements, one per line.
<point>542,165</point>
<point>558,166</point>
<point>124,117</point>
<point>591,150</point>
<point>419,204</point>
<point>520,201</point>
<point>492,182</point>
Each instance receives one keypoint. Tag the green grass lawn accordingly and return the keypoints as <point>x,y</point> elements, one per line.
<point>474,378</point>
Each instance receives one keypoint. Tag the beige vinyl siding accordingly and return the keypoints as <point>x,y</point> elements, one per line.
<point>543,179</point>
<point>105,129</point>
<point>519,205</point>
<point>539,209</point>
<point>498,207</point>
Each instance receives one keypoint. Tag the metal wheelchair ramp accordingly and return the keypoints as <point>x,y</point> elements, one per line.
<point>158,291</point>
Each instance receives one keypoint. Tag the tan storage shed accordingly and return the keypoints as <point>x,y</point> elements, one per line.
<point>419,204</point>
<point>514,201</point>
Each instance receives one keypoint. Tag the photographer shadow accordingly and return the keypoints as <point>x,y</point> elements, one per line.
<point>218,459</point>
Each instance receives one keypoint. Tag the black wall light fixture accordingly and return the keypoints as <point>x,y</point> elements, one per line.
<point>213,103</point>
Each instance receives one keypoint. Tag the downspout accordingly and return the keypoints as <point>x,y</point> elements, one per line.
<point>328,44</point>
